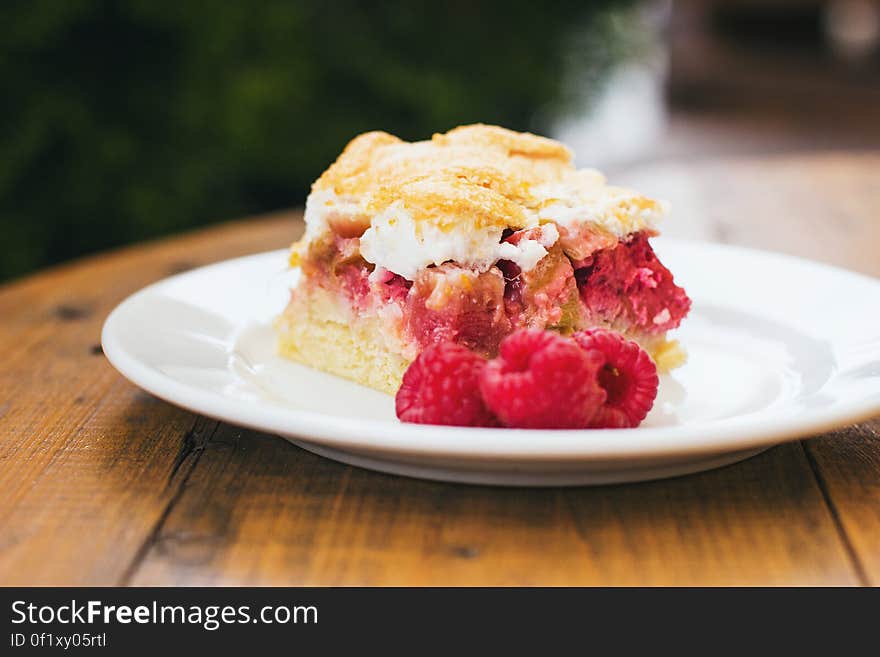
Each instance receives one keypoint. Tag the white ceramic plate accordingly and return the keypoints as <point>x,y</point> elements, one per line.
<point>779,347</point>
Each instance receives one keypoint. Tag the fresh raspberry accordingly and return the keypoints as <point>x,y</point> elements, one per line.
<point>442,386</point>
<point>541,380</point>
<point>628,376</point>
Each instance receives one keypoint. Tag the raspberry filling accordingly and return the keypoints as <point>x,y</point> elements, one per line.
<point>623,286</point>
<point>545,297</point>
<point>627,286</point>
<point>448,303</point>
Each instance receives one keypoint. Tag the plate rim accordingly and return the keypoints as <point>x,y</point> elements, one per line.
<point>727,434</point>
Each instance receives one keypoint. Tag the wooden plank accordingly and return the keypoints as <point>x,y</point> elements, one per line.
<point>89,464</point>
<point>257,510</point>
<point>847,465</point>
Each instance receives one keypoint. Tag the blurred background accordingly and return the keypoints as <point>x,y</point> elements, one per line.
<point>127,120</point>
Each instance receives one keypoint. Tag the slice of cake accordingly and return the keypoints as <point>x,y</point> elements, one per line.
<point>466,238</point>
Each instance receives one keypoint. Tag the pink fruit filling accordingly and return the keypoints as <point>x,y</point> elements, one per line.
<point>627,286</point>
<point>544,297</point>
<point>620,285</point>
<point>448,303</point>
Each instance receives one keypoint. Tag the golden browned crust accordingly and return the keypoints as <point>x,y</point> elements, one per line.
<point>477,174</point>
<point>484,155</point>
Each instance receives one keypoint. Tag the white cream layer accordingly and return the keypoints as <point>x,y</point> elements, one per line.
<point>404,246</point>
<point>611,209</point>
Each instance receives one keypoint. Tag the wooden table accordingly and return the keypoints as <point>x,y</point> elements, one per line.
<point>101,483</point>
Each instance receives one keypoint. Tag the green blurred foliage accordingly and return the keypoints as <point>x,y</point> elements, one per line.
<point>125,120</point>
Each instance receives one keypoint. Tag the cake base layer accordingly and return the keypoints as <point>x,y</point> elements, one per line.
<point>314,331</point>
<point>350,349</point>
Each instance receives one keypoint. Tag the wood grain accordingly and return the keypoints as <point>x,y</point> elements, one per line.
<point>847,465</point>
<point>258,511</point>
<point>104,484</point>
<point>88,463</point>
